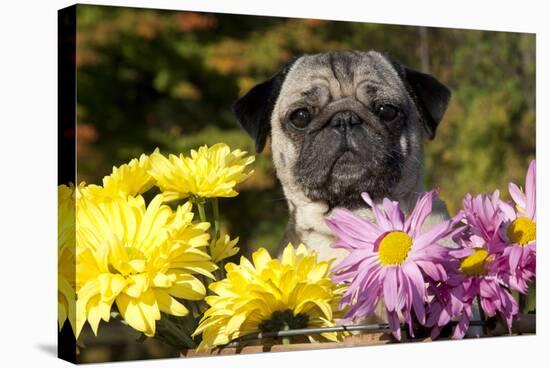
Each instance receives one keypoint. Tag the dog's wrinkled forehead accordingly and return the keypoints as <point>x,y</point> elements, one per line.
<point>367,78</point>
<point>322,78</point>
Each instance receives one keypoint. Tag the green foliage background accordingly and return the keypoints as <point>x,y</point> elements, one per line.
<point>149,78</point>
<point>167,79</point>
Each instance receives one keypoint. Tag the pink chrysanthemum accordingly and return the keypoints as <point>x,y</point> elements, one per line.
<point>391,258</point>
<point>517,265</point>
<point>446,303</point>
<point>472,273</point>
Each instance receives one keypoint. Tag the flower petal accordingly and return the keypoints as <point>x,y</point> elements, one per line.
<point>355,225</point>
<point>515,257</point>
<point>530,191</point>
<point>418,290</point>
<point>435,234</point>
<point>169,305</point>
<point>420,212</point>
<point>140,313</point>
<point>187,287</point>
<point>260,258</point>
<point>390,289</point>
<point>517,195</point>
<point>394,213</point>
<point>395,325</point>
<point>381,218</point>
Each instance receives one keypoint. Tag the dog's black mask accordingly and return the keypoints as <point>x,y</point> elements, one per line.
<point>355,118</point>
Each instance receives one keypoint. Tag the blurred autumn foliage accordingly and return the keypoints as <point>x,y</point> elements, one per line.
<point>151,78</point>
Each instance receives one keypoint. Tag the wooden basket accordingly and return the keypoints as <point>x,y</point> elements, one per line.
<point>523,326</point>
<point>365,339</point>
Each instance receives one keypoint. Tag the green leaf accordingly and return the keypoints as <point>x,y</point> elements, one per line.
<point>530,302</point>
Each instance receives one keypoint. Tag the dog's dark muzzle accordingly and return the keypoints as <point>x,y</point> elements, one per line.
<point>344,121</point>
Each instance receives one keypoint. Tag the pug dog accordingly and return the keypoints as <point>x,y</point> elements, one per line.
<point>342,123</point>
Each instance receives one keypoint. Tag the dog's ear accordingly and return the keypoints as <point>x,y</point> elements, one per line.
<point>430,95</point>
<point>254,109</point>
<point>432,98</point>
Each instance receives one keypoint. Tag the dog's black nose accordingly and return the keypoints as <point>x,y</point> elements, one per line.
<point>344,120</point>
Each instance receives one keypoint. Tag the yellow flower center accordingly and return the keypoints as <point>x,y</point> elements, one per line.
<point>136,263</point>
<point>394,248</point>
<point>135,253</point>
<point>522,231</point>
<point>474,264</point>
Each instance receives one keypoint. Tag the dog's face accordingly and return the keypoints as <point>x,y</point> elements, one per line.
<point>343,123</point>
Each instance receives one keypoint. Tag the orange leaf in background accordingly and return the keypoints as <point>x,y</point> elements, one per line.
<point>188,21</point>
<point>314,22</point>
<point>86,132</point>
<point>147,29</point>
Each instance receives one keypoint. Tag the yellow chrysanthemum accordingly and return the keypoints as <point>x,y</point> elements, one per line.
<point>223,248</point>
<point>209,172</point>
<point>66,297</point>
<point>129,179</point>
<point>140,258</point>
<point>67,196</point>
<point>270,295</point>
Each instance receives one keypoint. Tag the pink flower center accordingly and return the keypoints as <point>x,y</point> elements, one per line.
<point>522,231</point>
<point>474,264</point>
<point>394,248</point>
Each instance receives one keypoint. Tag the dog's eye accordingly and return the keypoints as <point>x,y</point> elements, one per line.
<point>300,118</point>
<point>387,112</point>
